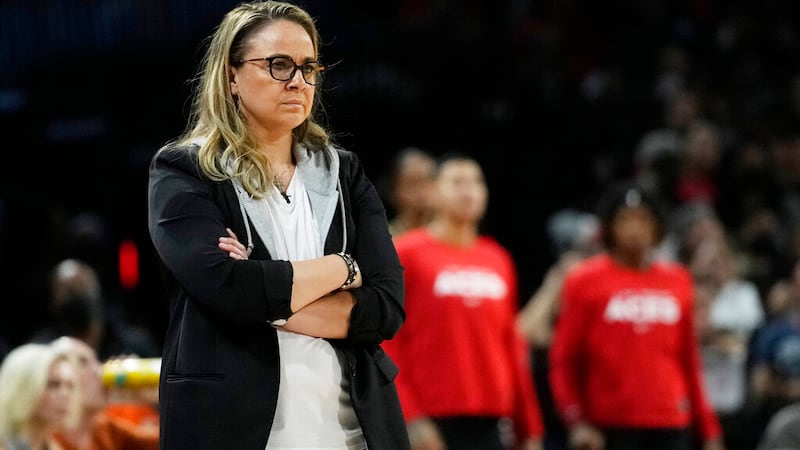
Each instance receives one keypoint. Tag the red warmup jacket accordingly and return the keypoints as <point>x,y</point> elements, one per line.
<point>625,352</point>
<point>459,351</point>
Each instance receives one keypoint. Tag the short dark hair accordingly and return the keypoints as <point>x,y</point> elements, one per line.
<point>455,155</point>
<point>621,194</point>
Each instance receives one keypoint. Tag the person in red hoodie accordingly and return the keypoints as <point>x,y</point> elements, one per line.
<point>465,380</point>
<point>625,368</point>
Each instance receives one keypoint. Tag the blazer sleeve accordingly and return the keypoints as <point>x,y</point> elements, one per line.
<point>379,309</point>
<point>187,213</point>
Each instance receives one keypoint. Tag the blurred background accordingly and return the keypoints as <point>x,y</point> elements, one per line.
<point>557,98</point>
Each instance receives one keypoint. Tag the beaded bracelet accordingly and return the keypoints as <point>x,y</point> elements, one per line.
<point>352,270</point>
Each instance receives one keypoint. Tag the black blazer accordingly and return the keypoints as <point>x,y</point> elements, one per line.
<point>220,361</point>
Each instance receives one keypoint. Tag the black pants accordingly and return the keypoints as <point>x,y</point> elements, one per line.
<point>648,439</point>
<point>472,433</point>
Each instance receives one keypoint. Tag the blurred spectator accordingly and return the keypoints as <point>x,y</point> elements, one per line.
<point>574,236</point>
<point>729,309</point>
<point>464,367</point>
<point>724,324</point>
<point>779,298</point>
<point>38,393</point>
<point>625,362</point>
<point>775,359</point>
<point>100,427</point>
<point>736,306</point>
<point>407,189</point>
<point>78,308</point>
<point>689,225</point>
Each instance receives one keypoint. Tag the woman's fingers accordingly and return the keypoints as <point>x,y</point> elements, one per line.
<point>232,246</point>
<point>231,233</point>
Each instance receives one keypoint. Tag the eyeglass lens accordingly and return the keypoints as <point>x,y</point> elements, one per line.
<point>283,69</point>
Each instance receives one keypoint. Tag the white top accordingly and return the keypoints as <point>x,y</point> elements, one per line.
<point>738,308</point>
<point>314,410</point>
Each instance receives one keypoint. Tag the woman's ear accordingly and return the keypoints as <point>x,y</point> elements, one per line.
<point>234,86</point>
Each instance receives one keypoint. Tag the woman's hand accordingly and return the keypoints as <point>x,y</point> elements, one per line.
<point>230,244</point>
<point>714,444</point>
<point>530,444</point>
<point>583,436</point>
<point>424,435</point>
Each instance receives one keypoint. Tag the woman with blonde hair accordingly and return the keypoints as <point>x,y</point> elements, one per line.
<point>280,271</point>
<point>37,394</point>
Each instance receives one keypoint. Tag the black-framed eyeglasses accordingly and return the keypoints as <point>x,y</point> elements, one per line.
<point>283,68</point>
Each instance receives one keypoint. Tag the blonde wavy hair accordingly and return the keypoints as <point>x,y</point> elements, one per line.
<point>214,120</point>
<point>23,380</point>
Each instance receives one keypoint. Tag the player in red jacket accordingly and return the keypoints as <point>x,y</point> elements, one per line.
<point>624,364</point>
<point>464,367</point>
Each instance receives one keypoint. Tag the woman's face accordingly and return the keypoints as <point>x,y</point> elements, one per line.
<point>412,190</point>
<point>460,191</point>
<point>93,392</point>
<point>634,229</point>
<point>60,395</point>
<point>272,107</point>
